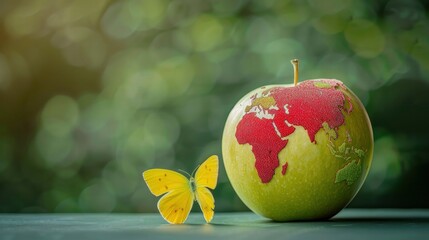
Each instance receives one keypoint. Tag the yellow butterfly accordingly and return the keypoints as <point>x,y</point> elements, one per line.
<point>182,192</point>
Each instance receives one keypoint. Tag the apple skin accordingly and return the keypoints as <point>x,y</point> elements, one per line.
<point>312,187</point>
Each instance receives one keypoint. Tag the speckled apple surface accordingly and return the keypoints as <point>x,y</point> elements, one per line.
<point>298,152</point>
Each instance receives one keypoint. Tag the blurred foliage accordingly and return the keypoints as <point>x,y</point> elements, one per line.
<point>94,92</point>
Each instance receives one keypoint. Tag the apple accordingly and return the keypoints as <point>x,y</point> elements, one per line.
<point>299,151</point>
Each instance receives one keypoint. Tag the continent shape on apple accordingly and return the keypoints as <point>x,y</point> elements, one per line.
<point>272,117</point>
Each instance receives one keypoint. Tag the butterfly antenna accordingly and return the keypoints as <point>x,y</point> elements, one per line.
<point>183,171</point>
<point>195,169</point>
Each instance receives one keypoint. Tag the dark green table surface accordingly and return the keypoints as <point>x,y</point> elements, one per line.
<point>359,224</point>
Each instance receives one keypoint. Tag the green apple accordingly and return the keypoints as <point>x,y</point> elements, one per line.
<point>299,151</point>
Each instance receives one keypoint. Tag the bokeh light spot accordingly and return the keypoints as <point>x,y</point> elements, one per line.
<point>178,73</point>
<point>365,38</point>
<point>150,12</point>
<point>143,90</point>
<point>124,18</point>
<point>206,32</point>
<point>26,19</point>
<point>291,13</point>
<point>118,22</point>
<point>276,55</point>
<point>330,6</point>
<point>227,7</point>
<point>60,115</point>
<point>333,23</point>
<point>96,115</point>
<point>81,46</point>
<point>161,130</point>
<point>54,149</point>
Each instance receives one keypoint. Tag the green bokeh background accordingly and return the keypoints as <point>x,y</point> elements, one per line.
<point>92,93</point>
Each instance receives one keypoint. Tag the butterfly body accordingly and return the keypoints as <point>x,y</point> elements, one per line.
<point>181,192</point>
<point>192,184</point>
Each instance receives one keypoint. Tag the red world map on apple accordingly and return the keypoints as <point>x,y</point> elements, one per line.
<point>273,116</point>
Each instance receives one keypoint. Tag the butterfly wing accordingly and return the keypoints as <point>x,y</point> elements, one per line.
<point>177,203</point>
<point>161,181</point>
<point>206,177</point>
<point>206,201</point>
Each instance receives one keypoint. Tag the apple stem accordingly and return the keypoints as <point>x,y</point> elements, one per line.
<point>295,71</point>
